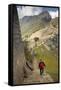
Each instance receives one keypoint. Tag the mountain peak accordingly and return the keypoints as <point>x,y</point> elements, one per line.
<point>45,16</point>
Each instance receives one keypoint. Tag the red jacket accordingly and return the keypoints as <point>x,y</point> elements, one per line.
<point>41,65</point>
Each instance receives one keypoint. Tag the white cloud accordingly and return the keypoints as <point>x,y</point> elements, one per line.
<point>54,14</point>
<point>28,11</point>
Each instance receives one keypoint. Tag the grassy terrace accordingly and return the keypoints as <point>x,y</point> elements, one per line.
<point>51,60</point>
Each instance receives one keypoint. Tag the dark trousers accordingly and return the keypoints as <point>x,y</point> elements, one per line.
<point>41,71</point>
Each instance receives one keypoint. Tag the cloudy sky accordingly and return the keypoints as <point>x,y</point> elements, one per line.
<point>30,11</point>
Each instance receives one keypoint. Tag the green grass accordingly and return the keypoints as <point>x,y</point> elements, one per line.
<point>51,60</point>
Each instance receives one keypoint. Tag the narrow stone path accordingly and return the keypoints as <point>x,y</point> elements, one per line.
<point>35,77</point>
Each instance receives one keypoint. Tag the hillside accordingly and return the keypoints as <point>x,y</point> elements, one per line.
<point>31,24</point>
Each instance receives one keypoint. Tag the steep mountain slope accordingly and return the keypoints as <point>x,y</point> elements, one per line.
<point>31,24</point>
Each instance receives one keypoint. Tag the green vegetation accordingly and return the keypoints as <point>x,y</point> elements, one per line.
<point>51,60</point>
<point>54,22</point>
